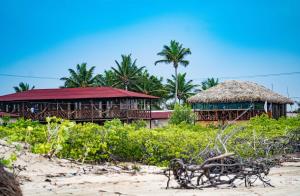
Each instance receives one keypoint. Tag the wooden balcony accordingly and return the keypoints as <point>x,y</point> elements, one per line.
<point>89,115</point>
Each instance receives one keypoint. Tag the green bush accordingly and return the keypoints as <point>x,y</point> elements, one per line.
<point>182,114</point>
<point>133,142</point>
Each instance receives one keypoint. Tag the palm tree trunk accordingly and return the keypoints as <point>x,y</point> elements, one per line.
<point>176,83</point>
<point>126,88</point>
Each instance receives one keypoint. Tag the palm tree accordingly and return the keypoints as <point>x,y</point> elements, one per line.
<point>106,79</point>
<point>185,88</point>
<point>150,85</point>
<point>126,72</point>
<point>23,87</point>
<point>210,82</point>
<point>81,77</point>
<point>175,54</point>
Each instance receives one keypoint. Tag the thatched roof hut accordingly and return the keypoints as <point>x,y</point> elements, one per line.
<point>238,91</point>
<point>238,99</point>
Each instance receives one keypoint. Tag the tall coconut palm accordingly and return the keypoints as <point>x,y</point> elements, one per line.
<point>175,54</point>
<point>185,88</point>
<point>127,72</point>
<point>81,77</point>
<point>23,87</point>
<point>210,82</point>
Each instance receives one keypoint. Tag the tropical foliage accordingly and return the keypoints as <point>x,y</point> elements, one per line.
<point>123,142</point>
<point>210,82</point>
<point>150,84</point>
<point>185,88</point>
<point>182,114</point>
<point>129,76</point>
<point>175,53</point>
<point>23,87</point>
<point>107,78</point>
<point>126,73</point>
<point>81,77</point>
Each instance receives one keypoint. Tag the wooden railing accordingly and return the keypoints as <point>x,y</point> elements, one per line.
<point>223,115</point>
<point>89,115</point>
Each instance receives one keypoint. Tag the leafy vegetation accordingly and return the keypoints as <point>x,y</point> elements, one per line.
<point>81,77</point>
<point>107,78</point>
<point>134,142</point>
<point>182,114</point>
<point>7,162</point>
<point>210,82</point>
<point>175,53</point>
<point>126,73</point>
<point>185,88</point>
<point>150,85</point>
<point>23,87</point>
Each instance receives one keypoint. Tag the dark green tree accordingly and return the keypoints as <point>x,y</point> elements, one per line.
<point>23,87</point>
<point>185,88</point>
<point>126,73</point>
<point>150,85</point>
<point>175,54</point>
<point>81,77</point>
<point>106,79</point>
<point>210,82</point>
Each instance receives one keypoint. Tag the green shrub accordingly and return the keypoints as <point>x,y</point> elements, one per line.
<point>182,114</point>
<point>133,142</point>
<point>5,120</point>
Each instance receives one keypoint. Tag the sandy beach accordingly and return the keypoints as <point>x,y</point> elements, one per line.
<point>41,176</point>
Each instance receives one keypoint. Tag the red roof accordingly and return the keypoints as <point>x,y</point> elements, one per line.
<point>161,114</point>
<point>73,93</point>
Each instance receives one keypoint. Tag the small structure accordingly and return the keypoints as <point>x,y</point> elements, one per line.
<point>159,118</point>
<point>237,99</point>
<point>92,104</point>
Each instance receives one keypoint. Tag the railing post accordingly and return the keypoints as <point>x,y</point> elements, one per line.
<point>150,114</point>
<point>92,110</point>
<point>69,108</point>
<point>23,112</point>
<point>127,111</point>
<point>57,109</point>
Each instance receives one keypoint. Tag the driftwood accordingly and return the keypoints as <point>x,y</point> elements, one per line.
<point>218,170</point>
<point>220,167</point>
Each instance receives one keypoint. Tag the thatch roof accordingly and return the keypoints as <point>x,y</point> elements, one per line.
<point>238,91</point>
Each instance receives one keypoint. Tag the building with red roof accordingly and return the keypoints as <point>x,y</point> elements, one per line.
<point>79,104</point>
<point>159,118</point>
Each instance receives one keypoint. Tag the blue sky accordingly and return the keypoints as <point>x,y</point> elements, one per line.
<point>227,38</point>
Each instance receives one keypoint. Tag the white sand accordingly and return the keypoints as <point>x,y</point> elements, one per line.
<point>62,177</point>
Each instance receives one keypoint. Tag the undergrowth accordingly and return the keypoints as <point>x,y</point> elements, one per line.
<point>115,141</point>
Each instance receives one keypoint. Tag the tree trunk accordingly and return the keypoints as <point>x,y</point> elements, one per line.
<point>176,83</point>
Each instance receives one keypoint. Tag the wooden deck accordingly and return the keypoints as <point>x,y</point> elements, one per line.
<point>88,110</point>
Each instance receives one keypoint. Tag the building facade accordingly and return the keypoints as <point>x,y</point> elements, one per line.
<point>238,100</point>
<point>91,104</point>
